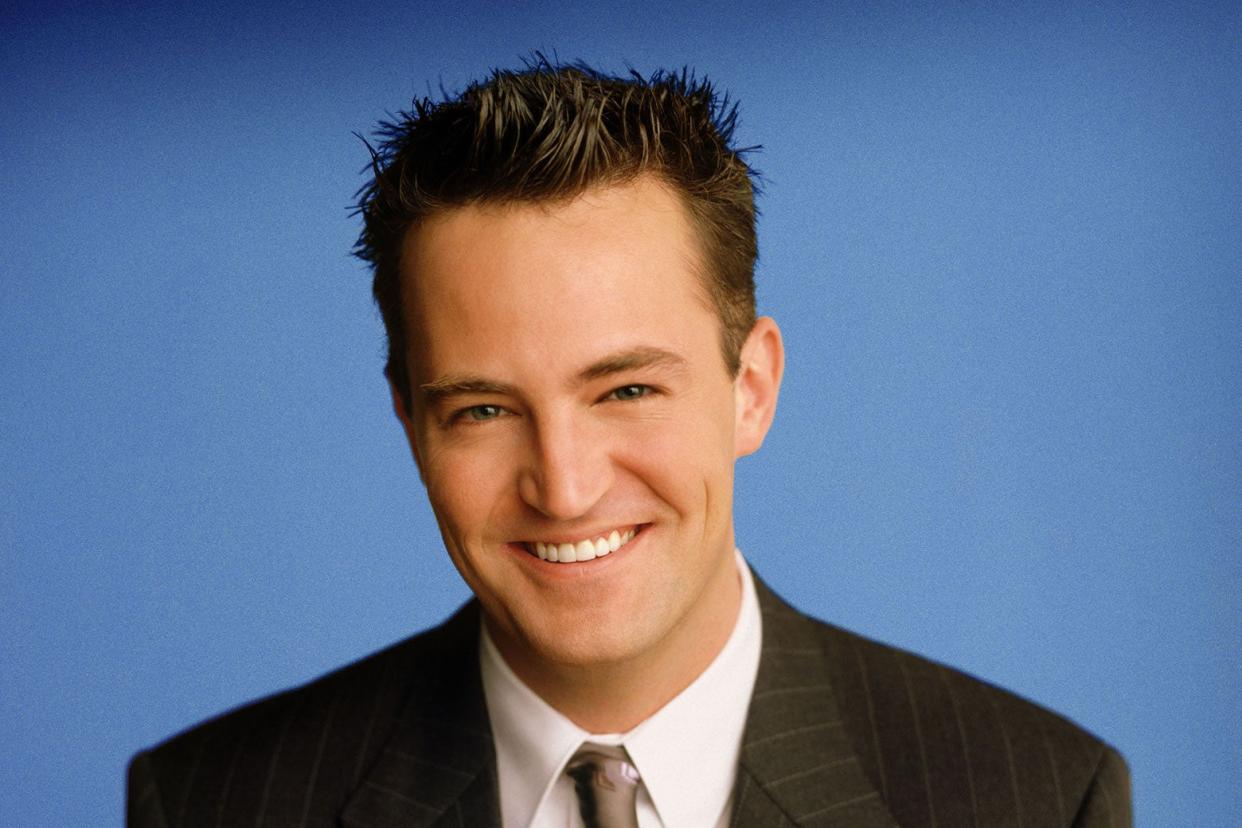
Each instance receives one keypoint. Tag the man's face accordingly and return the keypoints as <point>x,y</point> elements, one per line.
<point>569,392</point>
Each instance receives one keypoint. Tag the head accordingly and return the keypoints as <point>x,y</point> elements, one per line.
<point>549,133</point>
<point>564,263</point>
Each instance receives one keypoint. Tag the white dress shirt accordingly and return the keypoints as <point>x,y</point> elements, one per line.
<point>686,752</point>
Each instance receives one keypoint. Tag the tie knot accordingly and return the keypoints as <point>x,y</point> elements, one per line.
<point>607,786</point>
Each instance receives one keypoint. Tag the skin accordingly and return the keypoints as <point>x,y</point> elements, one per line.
<point>567,381</point>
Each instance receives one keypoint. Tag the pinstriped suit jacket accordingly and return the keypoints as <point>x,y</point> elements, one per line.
<point>842,731</point>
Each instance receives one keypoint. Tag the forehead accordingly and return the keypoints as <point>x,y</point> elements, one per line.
<point>496,287</point>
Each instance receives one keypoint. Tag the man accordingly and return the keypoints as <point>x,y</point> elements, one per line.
<point>564,265</point>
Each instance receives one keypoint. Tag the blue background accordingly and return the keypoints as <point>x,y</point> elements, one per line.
<point>1003,244</point>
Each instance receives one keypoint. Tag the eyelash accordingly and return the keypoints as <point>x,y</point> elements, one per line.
<point>645,390</point>
<point>466,414</point>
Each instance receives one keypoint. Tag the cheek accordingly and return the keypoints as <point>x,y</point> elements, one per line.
<point>685,460</point>
<point>465,488</point>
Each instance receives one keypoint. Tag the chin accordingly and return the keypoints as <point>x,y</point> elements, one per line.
<point>592,642</point>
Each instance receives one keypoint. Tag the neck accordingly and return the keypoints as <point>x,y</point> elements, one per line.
<point>617,696</point>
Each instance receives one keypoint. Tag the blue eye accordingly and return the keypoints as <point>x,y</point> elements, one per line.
<point>479,413</point>
<point>631,392</point>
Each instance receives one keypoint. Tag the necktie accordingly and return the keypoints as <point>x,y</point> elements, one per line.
<point>607,785</point>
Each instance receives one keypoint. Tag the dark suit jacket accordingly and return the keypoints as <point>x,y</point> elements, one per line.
<point>841,731</point>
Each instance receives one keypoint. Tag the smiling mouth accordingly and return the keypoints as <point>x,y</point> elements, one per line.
<point>587,549</point>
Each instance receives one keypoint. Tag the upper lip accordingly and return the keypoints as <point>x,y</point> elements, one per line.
<point>581,535</point>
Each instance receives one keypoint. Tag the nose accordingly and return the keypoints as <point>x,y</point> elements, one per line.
<point>568,471</point>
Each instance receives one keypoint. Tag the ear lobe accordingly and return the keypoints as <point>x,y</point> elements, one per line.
<point>757,386</point>
<point>400,409</point>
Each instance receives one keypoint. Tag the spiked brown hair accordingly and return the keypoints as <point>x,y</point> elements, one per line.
<point>550,132</point>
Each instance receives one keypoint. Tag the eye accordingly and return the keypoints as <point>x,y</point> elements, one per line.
<point>630,392</point>
<point>479,413</point>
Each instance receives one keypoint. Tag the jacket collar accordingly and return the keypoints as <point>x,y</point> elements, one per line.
<point>798,764</point>
<point>439,766</point>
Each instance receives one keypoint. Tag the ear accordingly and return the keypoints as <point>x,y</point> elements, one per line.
<point>407,424</point>
<point>757,385</point>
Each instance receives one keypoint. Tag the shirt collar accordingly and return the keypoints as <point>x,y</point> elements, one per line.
<point>686,752</point>
<point>533,741</point>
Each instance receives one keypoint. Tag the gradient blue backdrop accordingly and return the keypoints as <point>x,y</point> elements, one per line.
<point>1003,245</point>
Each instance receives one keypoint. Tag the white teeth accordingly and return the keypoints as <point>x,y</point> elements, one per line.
<point>583,550</point>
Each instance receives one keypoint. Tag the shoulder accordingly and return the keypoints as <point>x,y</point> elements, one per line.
<point>945,747</point>
<point>314,741</point>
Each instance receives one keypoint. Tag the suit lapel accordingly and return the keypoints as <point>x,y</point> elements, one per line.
<point>439,766</point>
<point>798,766</point>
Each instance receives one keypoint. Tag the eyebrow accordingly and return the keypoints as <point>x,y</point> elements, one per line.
<point>628,360</point>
